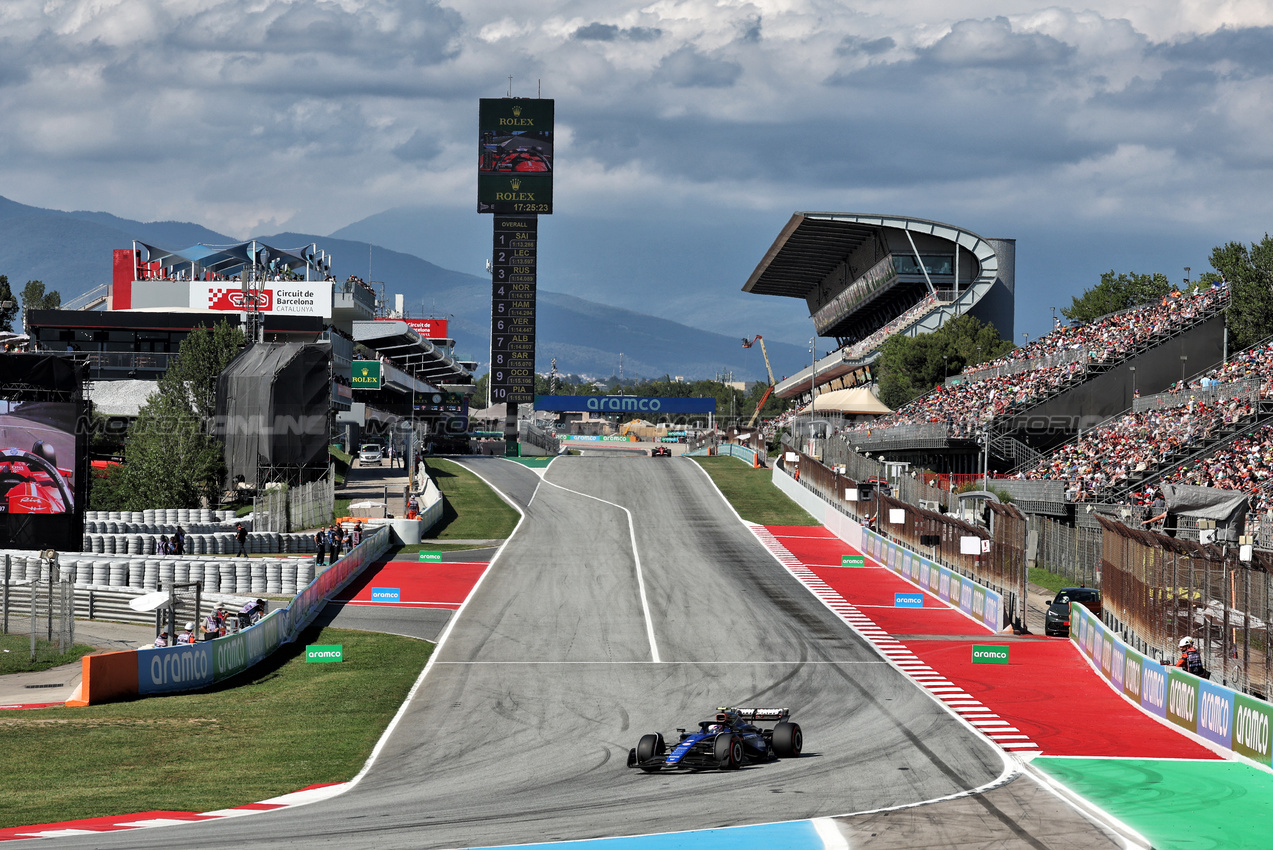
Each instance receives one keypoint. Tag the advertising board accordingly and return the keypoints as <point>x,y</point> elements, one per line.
<point>365,375</point>
<point>427,328</point>
<point>515,156</point>
<point>280,297</point>
<point>644,405</point>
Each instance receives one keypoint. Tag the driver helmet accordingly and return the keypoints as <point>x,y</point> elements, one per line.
<point>1186,642</point>
<point>717,727</point>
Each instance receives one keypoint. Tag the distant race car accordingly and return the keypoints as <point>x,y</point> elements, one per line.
<point>727,741</point>
<point>660,451</point>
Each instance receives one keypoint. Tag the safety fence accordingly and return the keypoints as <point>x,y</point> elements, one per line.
<point>995,558</point>
<point>1158,589</point>
<point>47,606</point>
<point>190,667</point>
<point>296,507</point>
<point>1221,715</point>
<point>743,453</point>
<point>1211,393</point>
<point>973,598</point>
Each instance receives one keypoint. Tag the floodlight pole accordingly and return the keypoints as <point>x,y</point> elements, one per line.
<point>813,379</point>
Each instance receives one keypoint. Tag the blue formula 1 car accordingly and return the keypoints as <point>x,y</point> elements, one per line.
<point>727,741</point>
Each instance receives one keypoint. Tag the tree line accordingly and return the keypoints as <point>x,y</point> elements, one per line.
<point>34,297</point>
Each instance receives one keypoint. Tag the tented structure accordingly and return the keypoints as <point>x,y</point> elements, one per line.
<point>272,413</point>
<point>855,401</point>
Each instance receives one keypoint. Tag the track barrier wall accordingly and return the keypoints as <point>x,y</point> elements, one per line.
<point>976,600</point>
<point>189,667</point>
<point>1236,722</point>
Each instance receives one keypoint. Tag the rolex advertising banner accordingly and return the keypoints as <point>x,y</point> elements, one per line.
<point>365,375</point>
<point>515,156</point>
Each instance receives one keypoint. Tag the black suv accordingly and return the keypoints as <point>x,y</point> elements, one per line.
<point>1057,619</point>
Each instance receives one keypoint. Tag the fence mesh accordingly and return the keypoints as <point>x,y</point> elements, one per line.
<point>1159,589</point>
<point>294,508</point>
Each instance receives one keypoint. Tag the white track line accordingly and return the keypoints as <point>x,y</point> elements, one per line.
<point>967,708</point>
<point>636,557</point>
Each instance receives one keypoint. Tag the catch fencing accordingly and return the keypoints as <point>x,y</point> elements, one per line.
<point>1159,589</point>
<point>999,563</point>
<point>46,606</point>
<point>297,507</point>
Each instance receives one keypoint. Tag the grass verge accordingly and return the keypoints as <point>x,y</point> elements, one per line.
<point>1052,581</point>
<point>290,725</point>
<point>15,656</point>
<point>472,510</point>
<point>752,492</point>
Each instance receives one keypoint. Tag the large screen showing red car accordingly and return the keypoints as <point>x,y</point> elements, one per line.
<point>37,457</point>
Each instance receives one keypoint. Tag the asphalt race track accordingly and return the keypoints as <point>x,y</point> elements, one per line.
<point>575,643</point>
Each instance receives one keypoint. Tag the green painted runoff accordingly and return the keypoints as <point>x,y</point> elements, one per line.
<point>1176,804</point>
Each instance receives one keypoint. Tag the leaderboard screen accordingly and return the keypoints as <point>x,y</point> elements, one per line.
<point>513,277</point>
<point>515,156</point>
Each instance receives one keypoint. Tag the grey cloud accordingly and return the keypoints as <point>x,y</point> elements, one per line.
<point>421,147</point>
<point>687,68</point>
<point>993,43</point>
<point>751,35</point>
<point>851,44</point>
<point>596,31</point>
<point>1250,49</point>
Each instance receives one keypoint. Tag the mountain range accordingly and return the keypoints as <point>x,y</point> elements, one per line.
<point>71,253</point>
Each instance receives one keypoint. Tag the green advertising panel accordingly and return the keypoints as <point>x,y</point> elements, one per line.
<point>324,653</point>
<point>365,375</point>
<point>1251,721</point>
<point>989,654</point>
<point>431,557</point>
<point>852,561</point>
<point>515,156</point>
<point>1182,699</point>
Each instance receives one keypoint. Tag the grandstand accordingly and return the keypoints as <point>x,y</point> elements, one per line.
<point>1046,393</point>
<point>866,277</point>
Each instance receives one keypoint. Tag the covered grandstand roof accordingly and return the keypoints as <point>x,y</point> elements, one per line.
<point>226,259</point>
<point>412,353</point>
<point>812,244</point>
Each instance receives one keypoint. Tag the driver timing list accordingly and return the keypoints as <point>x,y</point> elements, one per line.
<point>513,309</point>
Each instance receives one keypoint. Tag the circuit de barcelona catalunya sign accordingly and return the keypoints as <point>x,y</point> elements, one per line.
<point>624,404</point>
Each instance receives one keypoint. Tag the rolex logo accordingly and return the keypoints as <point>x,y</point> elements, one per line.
<point>517,112</point>
<point>365,371</point>
<point>515,183</point>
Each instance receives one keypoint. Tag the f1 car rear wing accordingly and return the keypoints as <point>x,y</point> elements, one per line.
<point>754,714</point>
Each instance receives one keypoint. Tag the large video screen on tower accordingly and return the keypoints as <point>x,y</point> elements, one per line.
<point>515,156</point>
<point>43,451</point>
<point>38,460</point>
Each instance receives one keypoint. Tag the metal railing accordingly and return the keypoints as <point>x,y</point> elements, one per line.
<point>1216,393</point>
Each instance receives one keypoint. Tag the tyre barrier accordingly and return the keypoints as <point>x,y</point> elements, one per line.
<point>219,542</point>
<point>245,576</point>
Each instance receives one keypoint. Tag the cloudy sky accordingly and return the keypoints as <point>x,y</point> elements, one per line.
<point>1128,135</point>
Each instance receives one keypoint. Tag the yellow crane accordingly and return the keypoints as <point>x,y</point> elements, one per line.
<point>748,344</point>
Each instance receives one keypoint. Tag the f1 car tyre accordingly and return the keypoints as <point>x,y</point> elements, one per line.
<point>649,748</point>
<point>788,740</point>
<point>729,752</point>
